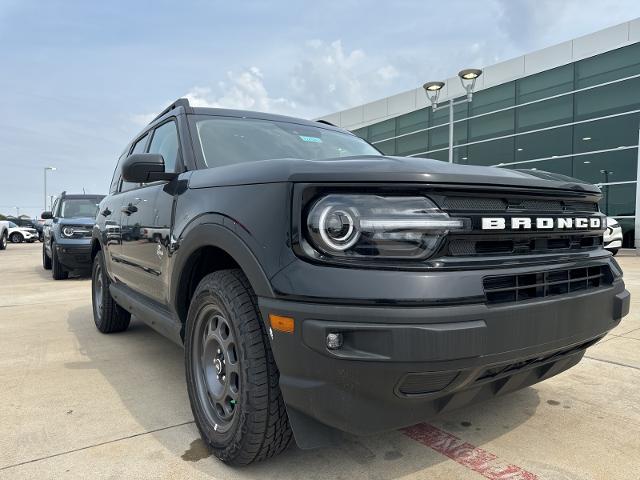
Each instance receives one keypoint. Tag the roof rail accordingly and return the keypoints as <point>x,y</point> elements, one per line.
<point>181,102</point>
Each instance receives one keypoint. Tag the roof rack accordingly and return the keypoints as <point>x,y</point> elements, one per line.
<point>326,123</point>
<point>181,102</point>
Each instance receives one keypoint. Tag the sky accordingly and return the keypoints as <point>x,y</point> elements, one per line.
<point>78,79</point>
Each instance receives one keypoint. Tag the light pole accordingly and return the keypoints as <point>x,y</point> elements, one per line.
<point>45,184</point>
<point>468,79</point>
<point>17,212</point>
<point>606,174</point>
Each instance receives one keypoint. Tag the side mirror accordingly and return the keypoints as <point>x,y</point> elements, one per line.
<point>46,215</point>
<point>145,168</point>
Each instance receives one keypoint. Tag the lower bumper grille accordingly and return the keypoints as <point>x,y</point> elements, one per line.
<point>516,288</point>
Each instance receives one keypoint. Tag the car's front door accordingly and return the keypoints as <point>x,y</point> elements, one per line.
<point>146,220</point>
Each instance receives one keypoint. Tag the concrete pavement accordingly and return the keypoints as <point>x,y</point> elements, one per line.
<point>78,404</point>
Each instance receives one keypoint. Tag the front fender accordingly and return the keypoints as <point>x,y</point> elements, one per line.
<point>210,231</point>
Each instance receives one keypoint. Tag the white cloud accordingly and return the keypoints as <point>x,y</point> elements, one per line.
<point>323,77</point>
<point>244,91</point>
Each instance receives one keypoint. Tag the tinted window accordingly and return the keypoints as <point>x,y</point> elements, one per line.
<point>165,142</point>
<point>79,207</point>
<point>226,141</point>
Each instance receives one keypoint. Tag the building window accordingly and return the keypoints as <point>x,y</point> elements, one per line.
<point>412,144</point>
<point>413,121</point>
<point>620,166</point>
<point>618,199</point>
<point>491,153</point>
<point>607,133</point>
<point>545,84</point>
<point>382,131</point>
<point>545,144</point>
<point>620,63</point>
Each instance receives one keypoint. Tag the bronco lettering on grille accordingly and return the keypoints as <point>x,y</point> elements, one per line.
<point>542,223</point>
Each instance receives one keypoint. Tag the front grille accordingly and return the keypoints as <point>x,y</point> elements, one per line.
<point>479,243</point>
<point>513,204</point>
<point>517,288</point>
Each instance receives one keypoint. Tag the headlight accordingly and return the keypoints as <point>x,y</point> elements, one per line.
<point>362,226</point>
<point>76,231</point>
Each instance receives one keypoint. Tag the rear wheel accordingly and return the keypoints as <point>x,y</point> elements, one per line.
<point>58,272</point>
<point>46,259</point>
<point>3,241</point>
<point>108,316</point>
<point>16,237</point>
<point>232,378</point>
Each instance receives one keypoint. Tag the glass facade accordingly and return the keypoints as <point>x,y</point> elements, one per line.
<point>580,120</point>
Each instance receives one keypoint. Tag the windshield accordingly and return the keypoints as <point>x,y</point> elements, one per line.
<point>227,140</point>
<point>79,207</point>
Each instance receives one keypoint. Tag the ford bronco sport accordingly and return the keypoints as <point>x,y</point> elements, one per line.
<point>318,286</point>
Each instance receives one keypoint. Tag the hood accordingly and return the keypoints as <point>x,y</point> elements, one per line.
<point>381,169</point>
<point>88,221</point>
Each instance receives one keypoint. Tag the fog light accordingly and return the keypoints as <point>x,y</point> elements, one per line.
<point>334,341</point>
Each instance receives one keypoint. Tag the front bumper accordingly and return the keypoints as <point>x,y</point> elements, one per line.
<point>74,254</point>
<point>401,365</point>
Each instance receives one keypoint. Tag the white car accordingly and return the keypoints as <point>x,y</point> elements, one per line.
<point>613,236</point>
<point>22,234</point>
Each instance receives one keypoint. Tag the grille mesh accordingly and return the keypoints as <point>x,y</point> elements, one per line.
<point>517,288</point>
<point>494,204</point>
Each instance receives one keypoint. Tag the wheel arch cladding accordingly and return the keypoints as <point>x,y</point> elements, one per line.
<point>207,248</point>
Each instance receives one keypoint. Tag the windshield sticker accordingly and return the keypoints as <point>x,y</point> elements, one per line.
<point>310,139</point>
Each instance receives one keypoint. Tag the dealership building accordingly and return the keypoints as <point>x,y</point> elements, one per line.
<point>573,108</point>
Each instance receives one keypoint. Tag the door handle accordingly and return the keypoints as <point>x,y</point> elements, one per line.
<point>129,209</point>
<point>106,212</point>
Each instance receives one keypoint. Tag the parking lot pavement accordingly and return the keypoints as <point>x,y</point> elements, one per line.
<point>78,404</point>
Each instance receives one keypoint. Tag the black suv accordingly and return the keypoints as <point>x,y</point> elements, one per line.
<point>66,243</point>
<point>319,286</point>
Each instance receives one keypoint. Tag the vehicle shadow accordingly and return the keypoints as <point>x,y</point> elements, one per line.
<point>73,275</point>
<point>147,373</point>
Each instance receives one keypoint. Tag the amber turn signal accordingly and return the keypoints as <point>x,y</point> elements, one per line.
<point>282,324</point>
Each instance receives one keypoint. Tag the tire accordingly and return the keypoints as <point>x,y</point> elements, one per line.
<point>235,399</point>
<point>108,316</point>
<point>57,270</point>
<point>614,251</point>
<point>16,237</point>
<point>3,241</point>
<point>46,259</point>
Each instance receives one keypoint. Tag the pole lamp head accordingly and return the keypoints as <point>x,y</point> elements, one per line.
<point>468,78</point>
<point>432,89</point>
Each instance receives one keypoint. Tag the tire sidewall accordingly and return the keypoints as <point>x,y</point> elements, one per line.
<point>98,314</point>
<point>3,241</point>
<point>226,442</point>
<point>16,238</point>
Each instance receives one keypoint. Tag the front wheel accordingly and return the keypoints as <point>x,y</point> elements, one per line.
<point>58,272</point>
<point>614,251</point>
<point>46,259</point>
<point>3,241</point>
<point>16,237</point>
<point>108,316</point>
<point>232,378</point>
